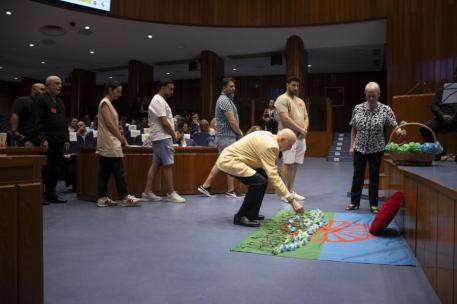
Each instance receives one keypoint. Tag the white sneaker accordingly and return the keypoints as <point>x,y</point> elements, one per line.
<point>284,199</point>
<point>131,201</point>
<point>150,197</point>
<point>175,198</point>
<point>105,202</point>
<point>298,197</point>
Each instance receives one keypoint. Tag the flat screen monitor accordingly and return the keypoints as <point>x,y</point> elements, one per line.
<point>103,5</point>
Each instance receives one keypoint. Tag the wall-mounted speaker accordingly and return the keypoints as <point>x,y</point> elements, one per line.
<point>194,65</point>
<point>276,59</point>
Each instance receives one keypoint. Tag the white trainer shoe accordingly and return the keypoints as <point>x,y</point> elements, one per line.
<point>131,201</point>
<point>150,197</point>
<point>175,198</point>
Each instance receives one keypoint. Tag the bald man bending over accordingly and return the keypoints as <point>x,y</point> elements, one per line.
<point>252,160</point>
<point>52,132</point>
<point>22,121</point>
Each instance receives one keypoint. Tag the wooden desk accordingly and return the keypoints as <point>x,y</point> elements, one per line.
<point>428,220</point>
<point>21,229</point>
<point>21,151</point>
<point>192,166</point>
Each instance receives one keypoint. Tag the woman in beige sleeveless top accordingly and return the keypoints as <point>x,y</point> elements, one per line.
<point>109,147</point>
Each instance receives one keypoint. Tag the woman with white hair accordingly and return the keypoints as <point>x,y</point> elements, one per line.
<point>367,144</point>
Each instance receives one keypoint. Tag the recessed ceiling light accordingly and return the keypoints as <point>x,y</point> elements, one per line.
<point>234,69</point>
<point>87,27</point>
<point>91,52</point>
<point>180,46</point>
<point>9,13</point>
<point>43,62</point>
<point>1,68</point>
<point>16,78</point>
<point>31,44</point>
<point>150,36</point>
<point>110,77</point>
<point>168,73</point>
<point>309,65</point>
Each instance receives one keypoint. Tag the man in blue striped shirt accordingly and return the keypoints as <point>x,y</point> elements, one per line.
<point>227,132</point>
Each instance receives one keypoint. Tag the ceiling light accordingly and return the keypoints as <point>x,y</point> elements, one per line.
<point>150,36</point>
<point>43,62</point>
<point>31,45</point>
<point>9,13</point>
<point>180,47</point>
<point>309,65</point>
<point>234,69</point>
<point>168,73</point>
<point>91,52</point>
<point>87,27</point>
<point>16,78</point>
<point>1,68</point>
<point>110,77</point>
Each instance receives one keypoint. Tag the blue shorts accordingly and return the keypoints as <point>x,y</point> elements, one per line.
<point>164,152</point>
<point>223,142</point>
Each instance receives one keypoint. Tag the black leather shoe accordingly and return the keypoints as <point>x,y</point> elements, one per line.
<point>245,221</point>
<point>259,217</point>
<point>54,198</point>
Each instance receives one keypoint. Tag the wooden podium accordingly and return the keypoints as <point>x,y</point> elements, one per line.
<point>21,228</point>
<point>417,108</point>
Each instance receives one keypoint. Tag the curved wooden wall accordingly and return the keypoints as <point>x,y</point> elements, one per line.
<point>421,44</point>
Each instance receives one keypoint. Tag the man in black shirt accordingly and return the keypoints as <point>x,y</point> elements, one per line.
<point>52,133</point>
<point>445,115</point>
<point>22,120</point>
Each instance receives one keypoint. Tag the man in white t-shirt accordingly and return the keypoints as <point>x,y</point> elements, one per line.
<point>162,134</point>
<point>293,115</point>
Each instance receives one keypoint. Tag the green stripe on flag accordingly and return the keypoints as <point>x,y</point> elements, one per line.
<point>271,234</point>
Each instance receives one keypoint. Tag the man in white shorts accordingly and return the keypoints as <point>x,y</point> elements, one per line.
<point>292,114</point>
<point>163,135</point>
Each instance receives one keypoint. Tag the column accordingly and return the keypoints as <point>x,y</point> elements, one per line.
<point>297,63</point>
<point>141,82</point>
<point>83,99</point>
<point>211,74</point>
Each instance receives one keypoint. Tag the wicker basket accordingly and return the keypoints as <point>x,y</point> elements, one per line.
<point>412,159</point>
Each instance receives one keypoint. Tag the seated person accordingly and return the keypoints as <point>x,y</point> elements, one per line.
<point>181,141</point>
<point>94,125</point>
<point>445,116</point>
<point>203,137</point>
<point>73,127</point>
<point>212,127</point>
<point>185,129</point>
<point>82,129</point>
<point>194,124</point>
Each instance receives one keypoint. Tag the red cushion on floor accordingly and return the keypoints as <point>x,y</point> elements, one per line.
<point>387,213</point>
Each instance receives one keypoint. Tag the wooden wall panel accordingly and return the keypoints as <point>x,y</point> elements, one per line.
<point>8,244</point>
<point>410,189</point>
<point>140,83</point>
<point>9,91</point>
<point>354,92</point>
<point>30,247</point>
<point>82,99</point>
<point>445,248</point>
<point>427,224</point>
<point>418,47</point>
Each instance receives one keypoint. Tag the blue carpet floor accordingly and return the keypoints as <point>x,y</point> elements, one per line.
<point>170,253</point>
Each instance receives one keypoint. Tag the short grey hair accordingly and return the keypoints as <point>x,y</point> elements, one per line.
<point>372,85</point>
